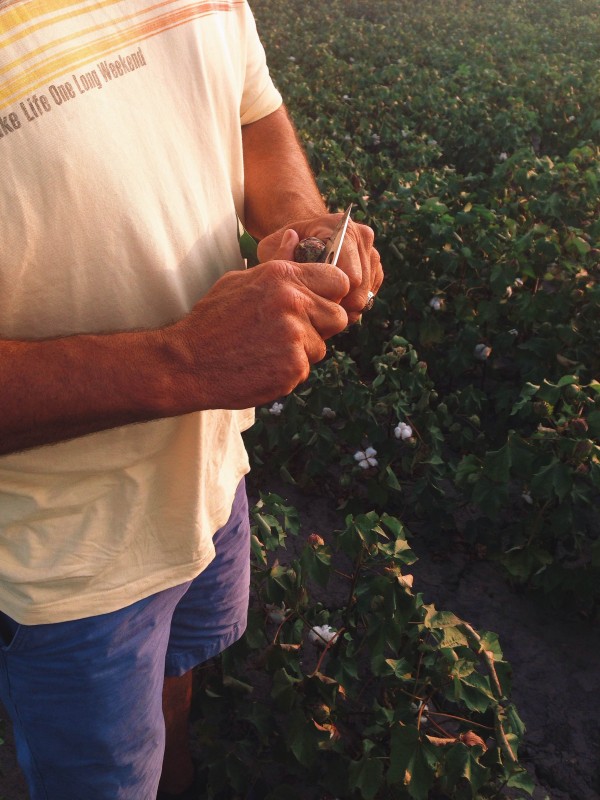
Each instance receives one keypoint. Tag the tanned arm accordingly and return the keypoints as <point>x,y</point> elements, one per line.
<point>281,193</point>
<point>279,185</point>
<point>58,389</point>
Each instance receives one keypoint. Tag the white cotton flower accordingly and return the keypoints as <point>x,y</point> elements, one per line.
<point>436,303</point>
<point>276,613</point>
<point>366,458</point>
<point>375,138</point>
<point>415,708</point>
<point>328,413</point>
<point>292,58</point>
<point>321,635</point>
<point>508,291</point>
<point>404,133</point>
<point>276,409</point>
<point>513,332</point>
<point>517,283</point>
<point>503,156</point>
<point>345,97</point>
<point>482,352</point>
<point>403,431</point>
<point>527,498</point>
<point>571,118</point>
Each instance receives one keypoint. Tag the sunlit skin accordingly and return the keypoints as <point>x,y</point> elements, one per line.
<point>207,359</point>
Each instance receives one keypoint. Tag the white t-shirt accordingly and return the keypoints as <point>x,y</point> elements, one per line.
<point>122,173</point>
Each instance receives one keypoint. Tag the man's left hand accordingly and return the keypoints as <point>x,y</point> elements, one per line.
<point>358,258</point>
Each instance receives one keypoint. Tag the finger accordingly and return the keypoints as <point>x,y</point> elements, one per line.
<point>320,279</point>
<point>287,246</point>
<point>325,317</point>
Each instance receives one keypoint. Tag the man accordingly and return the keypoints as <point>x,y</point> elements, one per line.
<point>132,346</point>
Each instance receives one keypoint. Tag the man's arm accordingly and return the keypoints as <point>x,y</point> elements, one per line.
<point>279,187</point>
<point>249,340</point>
<point>281,194</point>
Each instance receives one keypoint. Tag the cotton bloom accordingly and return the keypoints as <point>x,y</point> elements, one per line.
<point>514,332</point>
<point>482,352</point>
<point>415,707</point>
<point>276,613</point>
<point>366,458</point>
<point>328,413</point>
<point>276,409</point>
<point>402,431</point>
<point>291,58</point>
<point>503,156</point>
<point>321,635</point>
<point>517,283</point>
<point>436,303</point>
<point>527,498</point>
<point>508,291</point>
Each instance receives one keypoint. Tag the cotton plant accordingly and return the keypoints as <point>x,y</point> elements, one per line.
<point>482,352</point>
<point>276,409</point>
<point>403,431</point>
<point>276,613</point>
<point>321,635</point>
<point>366,458</point>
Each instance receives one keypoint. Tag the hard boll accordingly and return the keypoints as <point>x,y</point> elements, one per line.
<point>309,249</point>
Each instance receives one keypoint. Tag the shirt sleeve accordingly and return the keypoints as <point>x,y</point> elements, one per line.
<point>260,96</point>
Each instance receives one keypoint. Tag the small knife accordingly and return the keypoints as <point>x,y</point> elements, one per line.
<point>331,251</point>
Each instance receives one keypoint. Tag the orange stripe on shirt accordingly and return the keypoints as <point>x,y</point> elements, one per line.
<point>51,68</point>
<point>52,44</point>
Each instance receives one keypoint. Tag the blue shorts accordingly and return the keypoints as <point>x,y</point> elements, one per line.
<point>85,697</point>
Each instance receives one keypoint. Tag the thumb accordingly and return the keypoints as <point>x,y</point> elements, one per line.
<point>278,246</point>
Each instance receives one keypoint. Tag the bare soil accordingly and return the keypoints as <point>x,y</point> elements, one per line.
<point>555,655</point>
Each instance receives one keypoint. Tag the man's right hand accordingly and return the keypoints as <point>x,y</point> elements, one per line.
<point>250,340</point>
<point>253,337</point>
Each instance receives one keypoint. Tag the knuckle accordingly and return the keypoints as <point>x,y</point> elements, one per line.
<point>365,234</point>
<point>278,272</point>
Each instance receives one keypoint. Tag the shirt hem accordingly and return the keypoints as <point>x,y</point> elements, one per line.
<point>101,603</point>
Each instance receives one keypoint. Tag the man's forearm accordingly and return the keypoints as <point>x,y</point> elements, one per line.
<point>279,184</point>
<point>59,389</point>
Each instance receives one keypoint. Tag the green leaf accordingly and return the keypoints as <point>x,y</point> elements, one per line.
<point>593,420</point>
<point>412,762</point>
<point>522,780</point>
<point>302,737</point>
<point>366,775</point>
<point>401,669</point>
<point>248,245</point>
<point>453,637</point>
<point>496,464</point>
<point>490,496</point>
<point>391,479</point>
<point>528,391</point>
<point>316,564</point>
<point>462,763</point>
<point>556,477</point>
<point>258,551</point>
<point>474,690</point>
